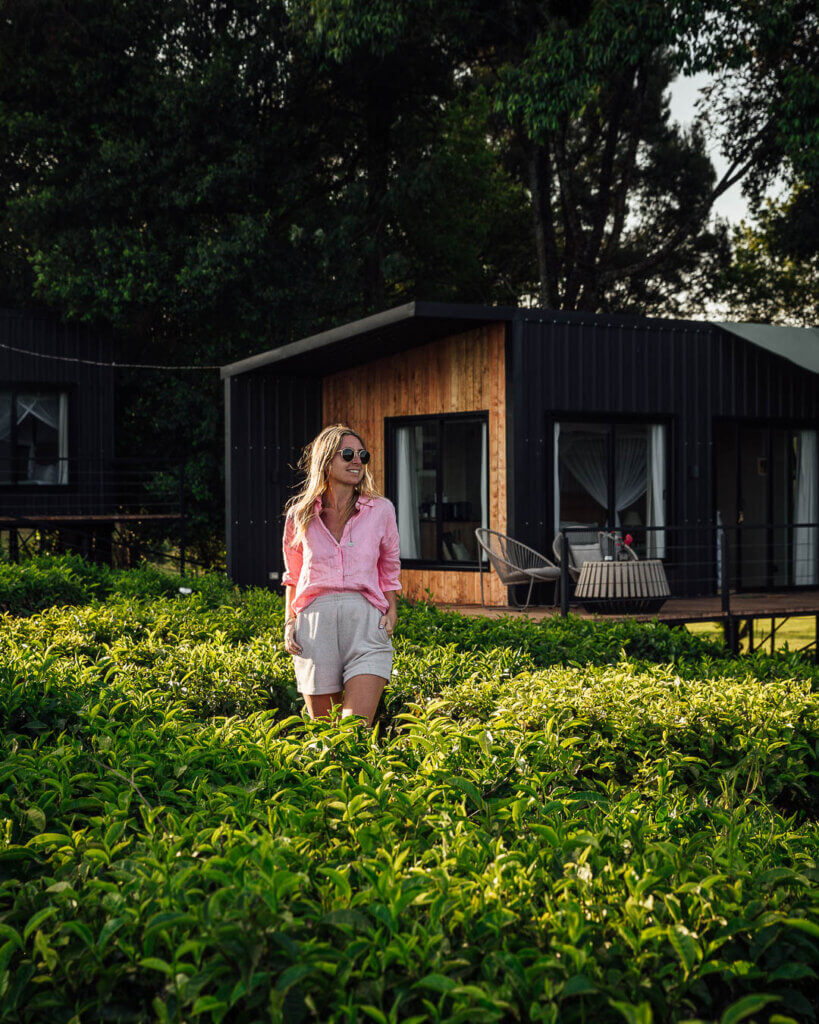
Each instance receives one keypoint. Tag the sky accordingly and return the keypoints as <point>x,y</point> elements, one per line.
<point>684,93</point>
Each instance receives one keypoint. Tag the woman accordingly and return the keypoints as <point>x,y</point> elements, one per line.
<point>341,578</point>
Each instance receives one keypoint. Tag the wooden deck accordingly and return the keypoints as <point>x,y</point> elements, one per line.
<point>678,610</point>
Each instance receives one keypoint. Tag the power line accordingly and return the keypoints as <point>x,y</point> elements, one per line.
<point>94,362</point>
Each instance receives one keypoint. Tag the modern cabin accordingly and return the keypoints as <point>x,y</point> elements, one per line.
<point>56,421</point>
<point>61,486</point>
<point>686,435</point>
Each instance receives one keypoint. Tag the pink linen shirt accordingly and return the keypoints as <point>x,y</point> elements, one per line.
<point>365,560</point>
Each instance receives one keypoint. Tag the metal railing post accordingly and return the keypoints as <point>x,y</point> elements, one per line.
<point>730,626</point>
<point>723,568</point>
<point>564,575</point>
<point>182,537</point>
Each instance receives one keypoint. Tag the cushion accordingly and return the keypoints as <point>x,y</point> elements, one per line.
<point>585,553</point>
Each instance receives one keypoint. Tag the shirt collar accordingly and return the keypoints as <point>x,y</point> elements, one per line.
<point>360,502</point>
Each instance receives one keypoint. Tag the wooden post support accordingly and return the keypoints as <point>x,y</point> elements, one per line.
<point>816,642</point>
<point>564,575</point>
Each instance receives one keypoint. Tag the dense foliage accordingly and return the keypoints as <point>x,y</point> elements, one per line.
<point>558,821</point>
<point>213,179</point>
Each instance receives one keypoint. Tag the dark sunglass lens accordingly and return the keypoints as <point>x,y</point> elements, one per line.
<point>364,455</point>
<point>347,454</point>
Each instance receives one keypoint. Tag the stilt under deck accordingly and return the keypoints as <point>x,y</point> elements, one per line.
<point>746,609</point>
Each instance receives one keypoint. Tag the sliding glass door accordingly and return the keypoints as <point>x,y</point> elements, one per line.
<point>612,476</point>
<point>766,484</point>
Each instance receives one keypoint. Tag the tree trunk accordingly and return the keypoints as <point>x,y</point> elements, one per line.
<point>548,260</point>
<point>378,120</point>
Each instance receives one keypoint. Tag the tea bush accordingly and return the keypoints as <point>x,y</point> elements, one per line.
<point>552,822</point>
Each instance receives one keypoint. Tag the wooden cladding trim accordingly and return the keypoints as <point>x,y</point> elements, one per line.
<point>461,373</point>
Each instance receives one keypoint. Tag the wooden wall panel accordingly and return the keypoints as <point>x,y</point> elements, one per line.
<point>462,373</point>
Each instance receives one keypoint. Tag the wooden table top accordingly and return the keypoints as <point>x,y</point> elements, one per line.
<point>622,581</point>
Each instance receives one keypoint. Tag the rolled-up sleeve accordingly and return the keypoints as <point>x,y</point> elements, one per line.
<point>292,555</point>
<point>389,558</point>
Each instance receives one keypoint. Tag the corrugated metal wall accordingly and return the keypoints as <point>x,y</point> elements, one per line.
<point>90,411</point>
<point>268,420</point>
<point>684,373</point>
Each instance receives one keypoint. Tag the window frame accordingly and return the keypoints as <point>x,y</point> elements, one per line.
<point>612,421</point>
<point>16,388</point>
<point>391,424</point>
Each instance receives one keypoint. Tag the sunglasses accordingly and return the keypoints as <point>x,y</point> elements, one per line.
<point>348,454</point>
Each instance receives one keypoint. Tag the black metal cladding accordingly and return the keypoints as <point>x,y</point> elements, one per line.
<point>686,374</point>
<point>268,421</point>
<point>90,391</point>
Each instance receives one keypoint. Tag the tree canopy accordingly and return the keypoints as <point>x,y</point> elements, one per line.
<point>216,178</point>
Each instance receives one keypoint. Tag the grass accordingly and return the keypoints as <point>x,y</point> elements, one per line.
<point>792,634</point>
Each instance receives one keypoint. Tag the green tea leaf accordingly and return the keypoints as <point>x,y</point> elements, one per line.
<point>37,919</point>
<point>746,1006</point>
<point>155,963</point>
<point>808,927</point>
<point>435,983</point>
<point>579,985</point>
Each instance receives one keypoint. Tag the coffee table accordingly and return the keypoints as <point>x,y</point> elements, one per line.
<point>622,587</point>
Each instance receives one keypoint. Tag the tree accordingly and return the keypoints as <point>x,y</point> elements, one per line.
<point>206,179</point>
<point>620,200</point>
<point>773,274</point>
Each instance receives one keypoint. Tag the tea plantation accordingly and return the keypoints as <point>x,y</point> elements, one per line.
<point>552,822</point>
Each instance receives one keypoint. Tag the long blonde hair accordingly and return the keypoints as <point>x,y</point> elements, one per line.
<point>315,464</point>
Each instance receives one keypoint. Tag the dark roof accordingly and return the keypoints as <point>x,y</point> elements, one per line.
<point>418,323</point>
<point>382,334</point>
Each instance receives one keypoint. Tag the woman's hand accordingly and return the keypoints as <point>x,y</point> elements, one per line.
<point>388,620</point>
<point>290,644</point>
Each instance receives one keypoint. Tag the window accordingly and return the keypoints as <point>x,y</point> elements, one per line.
<point>33,437</point>
<point>439,480</point>
<point>612,476</point>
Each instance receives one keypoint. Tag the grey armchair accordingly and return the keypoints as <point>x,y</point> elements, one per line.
<point>515,563</point>
<point>585,547</point>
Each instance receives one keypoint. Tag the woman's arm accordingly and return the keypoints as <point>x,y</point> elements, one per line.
<point>389,618</point>
<point>389,570</point>
<point>292,566</point>
<point>290,644</point>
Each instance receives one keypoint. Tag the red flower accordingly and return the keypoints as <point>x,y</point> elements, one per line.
<point>629,540</point>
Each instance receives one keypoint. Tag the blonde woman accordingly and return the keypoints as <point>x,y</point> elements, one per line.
<point>342,577</point>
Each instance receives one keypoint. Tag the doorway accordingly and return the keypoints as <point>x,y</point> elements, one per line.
<point>765,482</point>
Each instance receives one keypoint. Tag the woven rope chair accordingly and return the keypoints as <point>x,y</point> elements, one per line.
<point>582,548</point>
<point>515,563</point>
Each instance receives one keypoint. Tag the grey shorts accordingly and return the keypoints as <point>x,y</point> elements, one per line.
<point>339,638</point>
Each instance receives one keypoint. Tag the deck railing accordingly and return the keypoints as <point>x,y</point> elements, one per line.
<point>718,559</point>
<point>80,501</point>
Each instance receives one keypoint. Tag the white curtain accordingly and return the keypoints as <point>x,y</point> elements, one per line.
<point>52,410</point>
<point>585,458</point>
<point>556,443</point>
<point>630,477</point>
<point>62,471</point>
<point>409,530</point>
<point>655,497</point>
<point>484,480</point>
<point>806,509</point>
<point>720,542</point>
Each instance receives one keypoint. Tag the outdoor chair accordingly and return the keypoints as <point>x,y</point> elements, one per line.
<point>583,549</point>
<point>515,563</point>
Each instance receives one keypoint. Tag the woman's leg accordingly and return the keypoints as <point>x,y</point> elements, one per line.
<point>319,705</point>
<point>361,696</point>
